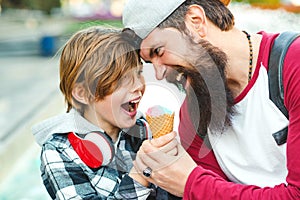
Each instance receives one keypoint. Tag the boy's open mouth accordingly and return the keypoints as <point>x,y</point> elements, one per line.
<point>131,106</point>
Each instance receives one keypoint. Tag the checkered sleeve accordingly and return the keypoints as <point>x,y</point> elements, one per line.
<point>131,189</point>
<point>65,176</point>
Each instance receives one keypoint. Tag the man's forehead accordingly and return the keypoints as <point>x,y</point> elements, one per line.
<point>159,36</point>
<point>151,39</point>
<point>147,54</point>
<point>149,43</point>
<point>168,38</point>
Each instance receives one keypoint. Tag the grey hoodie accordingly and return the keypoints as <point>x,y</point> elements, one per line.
<point>61,124</point>
<point>65,123</point>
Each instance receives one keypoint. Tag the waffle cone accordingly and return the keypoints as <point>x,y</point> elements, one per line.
<point>160,125</point>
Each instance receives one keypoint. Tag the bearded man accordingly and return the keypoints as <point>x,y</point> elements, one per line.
<point>224,71</point>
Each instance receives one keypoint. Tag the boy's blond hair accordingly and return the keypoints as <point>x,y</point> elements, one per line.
<point>97,58</point>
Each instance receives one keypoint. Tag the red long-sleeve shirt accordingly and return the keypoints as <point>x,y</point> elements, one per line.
<point>208,181</point>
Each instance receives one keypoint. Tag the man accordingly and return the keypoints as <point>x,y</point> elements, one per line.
<point>224,71</point>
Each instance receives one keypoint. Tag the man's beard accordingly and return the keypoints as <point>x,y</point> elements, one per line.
<point>210,102</point>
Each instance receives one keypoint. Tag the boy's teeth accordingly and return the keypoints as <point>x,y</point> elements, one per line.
<point>135,101</point>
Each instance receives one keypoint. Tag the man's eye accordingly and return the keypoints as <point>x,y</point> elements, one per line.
<point>158,51</point>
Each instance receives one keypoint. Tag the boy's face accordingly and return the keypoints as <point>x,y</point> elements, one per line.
<point>119,109</point>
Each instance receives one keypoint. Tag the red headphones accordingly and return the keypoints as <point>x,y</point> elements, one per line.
<point>96,149</point>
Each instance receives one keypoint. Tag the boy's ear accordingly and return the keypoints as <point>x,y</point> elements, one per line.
<point>79,93</point>
<point>196,22</point>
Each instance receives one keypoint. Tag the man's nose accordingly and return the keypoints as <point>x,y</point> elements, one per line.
<point>159,70</point>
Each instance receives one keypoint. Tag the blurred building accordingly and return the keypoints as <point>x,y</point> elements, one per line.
<point>291,2</point>
<point>291,5</point>
<point>93,9</point>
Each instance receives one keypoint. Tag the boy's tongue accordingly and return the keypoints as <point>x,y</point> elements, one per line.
<point>129,107</point>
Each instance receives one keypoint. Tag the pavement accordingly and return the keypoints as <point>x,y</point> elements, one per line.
<point>28,93</point>
<point>22,32</point>
<point>29,89</point>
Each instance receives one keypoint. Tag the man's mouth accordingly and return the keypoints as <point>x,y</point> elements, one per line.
<point>178,77</point>
<point>181,81</point>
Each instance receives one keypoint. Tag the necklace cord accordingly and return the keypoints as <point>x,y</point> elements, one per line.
<point>250,56</point>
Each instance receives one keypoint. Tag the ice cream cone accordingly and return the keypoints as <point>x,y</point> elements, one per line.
<point>160,120</point>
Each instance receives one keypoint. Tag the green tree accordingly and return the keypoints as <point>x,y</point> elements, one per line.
<point>266,3</point>
<point>12,3</point>
<point>44,5</point>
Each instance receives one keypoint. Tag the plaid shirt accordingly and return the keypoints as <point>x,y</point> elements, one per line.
<point>66,176</point>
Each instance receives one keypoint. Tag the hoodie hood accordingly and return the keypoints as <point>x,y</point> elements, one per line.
<point>65,123</point>
<point>61,124</point>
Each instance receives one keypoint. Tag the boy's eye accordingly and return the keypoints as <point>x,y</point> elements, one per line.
<point>140,72</point>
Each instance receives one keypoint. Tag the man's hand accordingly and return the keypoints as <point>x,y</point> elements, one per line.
<point>170,163</point>
<point>138,177</point>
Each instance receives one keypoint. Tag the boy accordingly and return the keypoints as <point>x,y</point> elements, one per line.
<point>87,153</point>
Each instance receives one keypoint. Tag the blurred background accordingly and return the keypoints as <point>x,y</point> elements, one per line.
<point>31,35</point>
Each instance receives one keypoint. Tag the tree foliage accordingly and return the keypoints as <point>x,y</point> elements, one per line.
<point>44,5</point>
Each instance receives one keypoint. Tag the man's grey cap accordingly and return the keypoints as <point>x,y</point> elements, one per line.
<point>143,16</point>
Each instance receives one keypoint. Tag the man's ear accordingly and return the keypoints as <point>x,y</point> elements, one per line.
<point>196,22</point>
<point>79,93</point>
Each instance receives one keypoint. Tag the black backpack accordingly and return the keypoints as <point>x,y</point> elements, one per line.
<point>276,59</point>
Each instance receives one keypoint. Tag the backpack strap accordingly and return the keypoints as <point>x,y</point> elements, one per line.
<point>276,59</point>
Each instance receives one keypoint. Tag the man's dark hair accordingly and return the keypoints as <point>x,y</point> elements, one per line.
<point>215,11</point>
